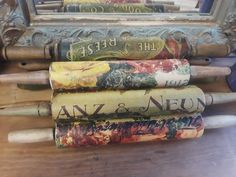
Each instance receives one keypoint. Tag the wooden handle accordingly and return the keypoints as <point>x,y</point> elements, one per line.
<point>209,71</point>
<point>34,66</point>
<point>16,53</point>
<point>211,50</point>
<point>219,98</point>
<point>39,109</point>
<point>221,121</point>
<point>31,136</point>
<point>36,77</point>
<point>200,61</point>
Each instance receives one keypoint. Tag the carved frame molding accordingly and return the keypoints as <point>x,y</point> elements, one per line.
<point>21,18</point>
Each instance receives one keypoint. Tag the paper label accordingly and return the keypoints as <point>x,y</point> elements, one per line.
<point>75,134</point>
<point>103,104</point>
<point>98,75</point>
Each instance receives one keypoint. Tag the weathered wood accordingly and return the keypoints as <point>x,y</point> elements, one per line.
<point>39,109</point>
<point>36,77</point>
<point>34,65</point>
<point>31,136</point>
<point>209,71</point>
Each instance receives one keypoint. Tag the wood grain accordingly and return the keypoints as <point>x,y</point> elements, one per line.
<point>213,155</point>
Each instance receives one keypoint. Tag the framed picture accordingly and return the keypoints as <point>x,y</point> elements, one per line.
<point>39,23</point>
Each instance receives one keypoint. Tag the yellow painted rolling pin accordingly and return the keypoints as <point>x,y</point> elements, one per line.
<point>134,103</point>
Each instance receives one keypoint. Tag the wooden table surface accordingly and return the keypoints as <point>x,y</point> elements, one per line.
<point>213,155</point>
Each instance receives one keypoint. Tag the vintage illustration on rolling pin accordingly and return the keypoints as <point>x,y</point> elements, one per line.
<point>102,104</point>
<point>119,74</point>
<point>113,75</point>
<point>74,134</point>
<point>113,1</point>
<point>129,130</point>
<point>119,8</point>
<point>174,45</point>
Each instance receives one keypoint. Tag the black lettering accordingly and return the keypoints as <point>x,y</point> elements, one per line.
<point>155,102</point>
<point>184,105</point>
<point>170,102</point>
<point>83,112</point>
<point>98,108</point>
<point>63,112</point>
<point>121,108</point>
<point>200,103</point>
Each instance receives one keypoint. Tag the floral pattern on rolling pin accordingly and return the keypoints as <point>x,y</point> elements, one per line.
<point>119,74</point>
<point>175,127</point>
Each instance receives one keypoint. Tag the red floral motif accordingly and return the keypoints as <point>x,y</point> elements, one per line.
<point>132,131</point>
<point>174,48</point>
<point>154,66</point>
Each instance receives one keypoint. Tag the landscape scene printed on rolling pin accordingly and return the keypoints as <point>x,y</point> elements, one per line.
<point>79,133</point>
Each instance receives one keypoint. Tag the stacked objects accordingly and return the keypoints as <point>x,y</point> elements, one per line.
<point>90,117</point>
<point>143,96</point>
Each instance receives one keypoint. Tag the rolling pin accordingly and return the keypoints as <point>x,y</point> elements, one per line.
<point>117,48</point>
<point>120,131</point>
<point>97,75</point>
<point>101,104</point>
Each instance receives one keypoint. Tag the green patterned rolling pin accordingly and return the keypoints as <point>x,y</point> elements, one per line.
<point>121,131</point>
<point>131,103</point>
<point>100,75</point>
<point>169,46</point>
<point>120,8</point>
<point>65,2</point>
<point>64,5</point>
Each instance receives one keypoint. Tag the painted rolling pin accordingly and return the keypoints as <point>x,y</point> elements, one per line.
<point>120,8</point>
<point>34,65</point>
<point>59,4</point>
<point>97,75</point>
<point>65,2</point>
<point>110,48</point>
<point>76,134</point>
<point>97,105</point>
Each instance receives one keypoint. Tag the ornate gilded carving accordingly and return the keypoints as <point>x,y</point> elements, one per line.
<point>11,23</point>
<point>230,27</point>
<point>40,36</point>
